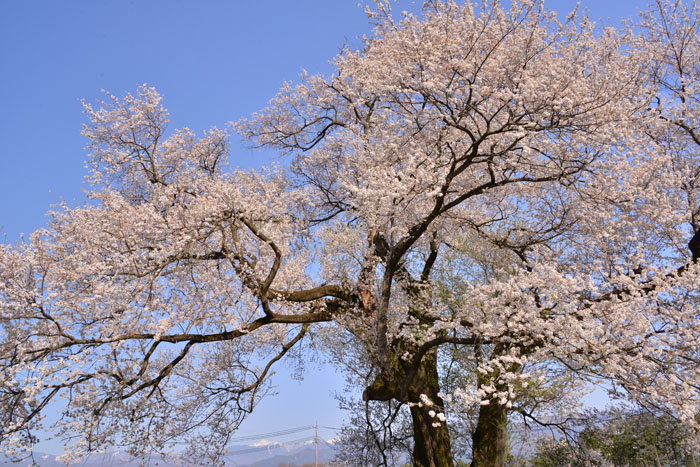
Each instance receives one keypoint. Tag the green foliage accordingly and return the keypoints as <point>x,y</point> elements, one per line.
<point>620,438</point>
<point>552,453</point>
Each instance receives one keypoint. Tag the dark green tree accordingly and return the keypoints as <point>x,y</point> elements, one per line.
<point>622,438</point>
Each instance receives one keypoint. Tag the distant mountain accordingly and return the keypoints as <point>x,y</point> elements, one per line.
<point>290,455</point>
<point>40,458</point>
<point>261,454</point>
<point>118,459</point>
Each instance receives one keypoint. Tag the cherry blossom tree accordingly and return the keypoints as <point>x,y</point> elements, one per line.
<point>496,181</point>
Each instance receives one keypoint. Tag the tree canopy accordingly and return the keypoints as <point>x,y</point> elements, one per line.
<point>520,188</point>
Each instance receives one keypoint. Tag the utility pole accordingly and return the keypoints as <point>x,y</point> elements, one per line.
<point>316,441</point>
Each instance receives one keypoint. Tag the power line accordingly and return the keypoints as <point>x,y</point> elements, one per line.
<point>273,434</point>
<point>271,446</point>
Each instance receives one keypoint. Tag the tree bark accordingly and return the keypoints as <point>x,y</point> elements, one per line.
<point>431,446</point>
<point>489,441</point>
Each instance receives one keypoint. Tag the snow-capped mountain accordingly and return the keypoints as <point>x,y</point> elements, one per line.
<point>272,454</point>
<point>263,453</point>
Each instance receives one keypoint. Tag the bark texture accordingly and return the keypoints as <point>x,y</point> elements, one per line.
<point>431,443</point>
<point>489,440</point>
<point>431,439</point>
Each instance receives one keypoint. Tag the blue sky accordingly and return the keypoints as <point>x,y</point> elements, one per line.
<point>214,62</point>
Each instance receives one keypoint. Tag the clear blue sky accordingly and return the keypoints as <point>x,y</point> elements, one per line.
<point>214,61</point>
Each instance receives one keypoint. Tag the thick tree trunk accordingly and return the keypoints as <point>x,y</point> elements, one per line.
<point>431,446</point>
<point>489,442</point>
<point>431,443</point>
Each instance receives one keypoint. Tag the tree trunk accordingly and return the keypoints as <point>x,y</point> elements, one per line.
<point>489,440</point>
<point>431,446</point>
